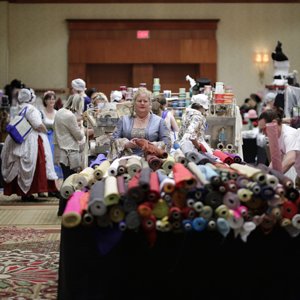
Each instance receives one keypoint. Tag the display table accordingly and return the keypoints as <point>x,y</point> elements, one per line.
<point>186,265</point>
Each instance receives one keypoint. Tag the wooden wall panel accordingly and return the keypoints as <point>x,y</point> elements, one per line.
<point>107,53</point>
<point>143,51</point>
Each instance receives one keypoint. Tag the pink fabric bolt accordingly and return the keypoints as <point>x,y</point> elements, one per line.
<point>72,214</point>
<point>272,132</point>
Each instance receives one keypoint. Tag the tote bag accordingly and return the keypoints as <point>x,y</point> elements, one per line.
<point>19,128</point>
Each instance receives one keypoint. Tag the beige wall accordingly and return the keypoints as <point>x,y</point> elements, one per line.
<point>36,37</point>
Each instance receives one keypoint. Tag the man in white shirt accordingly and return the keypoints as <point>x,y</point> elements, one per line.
<point>288,139</point>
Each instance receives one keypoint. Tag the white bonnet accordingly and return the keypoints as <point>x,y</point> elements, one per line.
<point>26,96</point>
<point>201,99</point>
<point>78,85</point>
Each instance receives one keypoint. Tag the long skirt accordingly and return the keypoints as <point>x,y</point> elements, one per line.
<point>40,183</point>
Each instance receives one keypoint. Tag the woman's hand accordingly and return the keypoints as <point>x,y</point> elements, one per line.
<point>131,144</point>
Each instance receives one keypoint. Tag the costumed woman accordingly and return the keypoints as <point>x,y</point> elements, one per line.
<point>28,168</point>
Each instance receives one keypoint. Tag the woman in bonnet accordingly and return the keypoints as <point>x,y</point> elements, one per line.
<point>28,168</point>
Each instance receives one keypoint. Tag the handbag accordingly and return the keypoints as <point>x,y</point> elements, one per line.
<point>19,128</point>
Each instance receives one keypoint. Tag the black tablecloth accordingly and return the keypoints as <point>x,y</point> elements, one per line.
<point>180,266</point>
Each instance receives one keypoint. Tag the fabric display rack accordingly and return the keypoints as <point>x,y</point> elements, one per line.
<point>179,225</point>
<point>140,222</point>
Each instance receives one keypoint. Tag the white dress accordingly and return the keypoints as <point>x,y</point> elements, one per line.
<point>19,160</point>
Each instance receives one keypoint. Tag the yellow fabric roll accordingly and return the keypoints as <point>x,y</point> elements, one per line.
<point>168,164</point>
<point>100,170</point>
<point>111,194</point>
<point>68,186</point>
<point>133,166</point>
<point>84,178</point>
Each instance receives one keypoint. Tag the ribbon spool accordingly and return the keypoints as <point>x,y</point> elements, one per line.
<point>289,209</point>
<point>244,194</point>
<point>198,206</point>
<point>207,212</point>
<point>222,211</point>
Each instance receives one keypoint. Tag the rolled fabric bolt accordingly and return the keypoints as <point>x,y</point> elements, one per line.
<point>122,166</point>
<point>229,147</point>
<point>244,194</point>
<point>220,146</point>
<point>167,197</point>
<point>235,220</point>
<point>193,156</point>
<point>168,164</point>
<point>276,212</point>
<point>195,170</point>
<point>190,202</point>
<point>272,181</point>
<point>161,175</point>
<point>272,132</point>
<point>154,191</point>
<point>129,205</point>
<point>145,209</point>
<point>180,157</point>
<point>213,199</point>
<point>222,211</point>
<point>188,213</point>
<point>113,168</point>
<point>187,225</point>
<point>150,148</point>
<point>231,200</point>
<point>211,174</point>
<point>289,209</point>
<point>84,178</point>
<point>149,223</point>
<point>133,166</point>
<point>243,210</point>
<point>87,219</point>
<point>231,186</point>
<point>285,222</point>
<point>255,203</point>
<point>166,225</point>
<point>122,188</point>
<point>254,187</point>
<point>296,221</point>
<point>68,187</point>
<point>223,157</point>
<point>267,192</point>
<point>167,185</point>
<point>292,231</point>
<point>96,205</point>
<point>175,213</point>
<point>207,212</point>
<point>268,223</point>
<point>248,227</point>
<point>198,206</point>
<point>292,194</point>
<point>199,224</point>
<point>127,177</point>
<point>144,163</point>
<point>236,159</point>
<point>160,209</point>
<point>122,226</point>
<point>179,198</point>
<point>100,170</point>
<point>242,181</point>
<point>144,180</point>
<point>212,225</point>
<point>111,194</point>
<point>132,220</point>
<point>183,177</point>
<point>228,171</point>
<point>103,221</point>
<point>154,162</point>
<point>223,226</point>
<point>254,173</point>
<point>176,225</point>
<point>134,190</point>
<point>99,159</point>
<point>116,213</point>
<point>71,216</point>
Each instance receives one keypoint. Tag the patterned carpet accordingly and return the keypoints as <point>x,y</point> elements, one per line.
<point>29,249</point>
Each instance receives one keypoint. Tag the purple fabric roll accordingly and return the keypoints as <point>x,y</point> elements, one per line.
<point>99,159</point>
